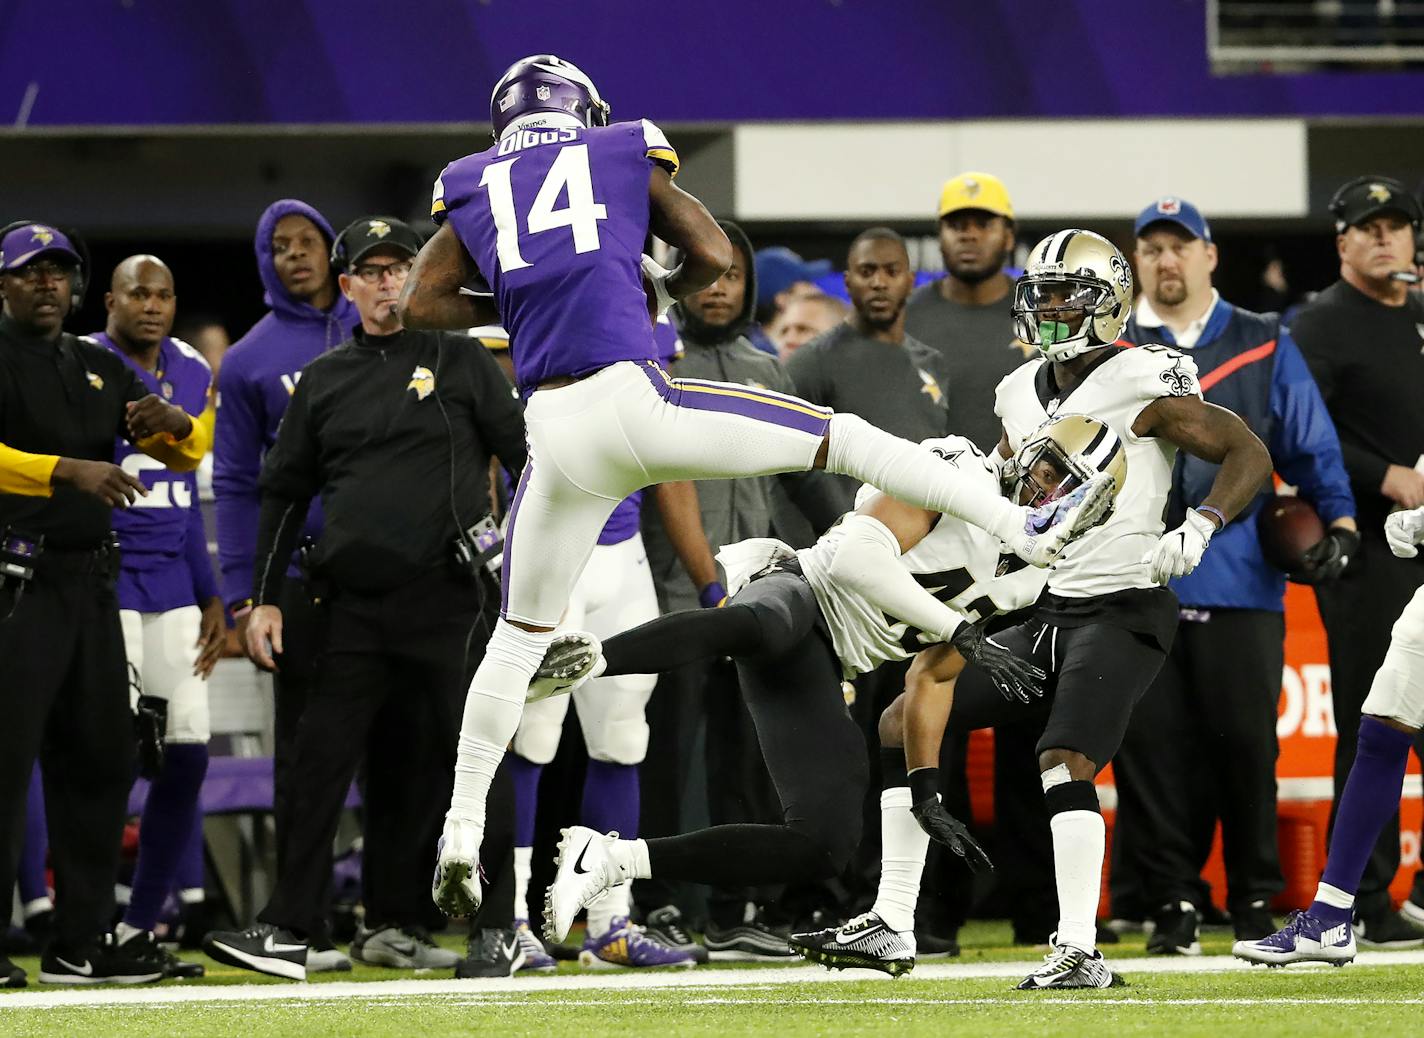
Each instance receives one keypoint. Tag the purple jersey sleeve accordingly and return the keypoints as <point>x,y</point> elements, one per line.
<point>556,219</point>
<point>237,462</point>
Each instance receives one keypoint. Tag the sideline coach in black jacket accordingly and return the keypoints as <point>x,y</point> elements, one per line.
<point>395,429</point>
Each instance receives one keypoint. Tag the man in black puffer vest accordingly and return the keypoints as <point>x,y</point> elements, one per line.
<point>1212,710</point>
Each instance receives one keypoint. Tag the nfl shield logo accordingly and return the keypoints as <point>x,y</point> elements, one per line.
<point>542,93</point>
<point>167,389</point>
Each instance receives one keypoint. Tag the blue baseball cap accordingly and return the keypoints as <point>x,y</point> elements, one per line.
<point>33,240</point>
<point>1170,209</point>
<point>778,268</point>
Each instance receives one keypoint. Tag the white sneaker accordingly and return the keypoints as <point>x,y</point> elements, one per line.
<point>570,660</point>
<point>456,887</point>
<point>1049,529</point>
<point>585,870</point>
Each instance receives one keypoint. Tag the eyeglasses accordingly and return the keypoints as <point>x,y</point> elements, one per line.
<point>371,273</point>
<point>33,273</point>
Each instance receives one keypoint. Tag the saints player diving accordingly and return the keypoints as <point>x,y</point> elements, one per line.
<point>552,219</point>
<point>1104,624</point>
<point>888,579</point>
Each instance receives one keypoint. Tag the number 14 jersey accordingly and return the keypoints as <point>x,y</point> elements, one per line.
<point>556,218</point>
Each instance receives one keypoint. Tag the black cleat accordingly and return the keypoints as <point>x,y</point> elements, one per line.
<point>1177,931</point>
<point>863,943</point>
<point>1253,922</point>
<point>932,946</point>
<point>749,941</point>
<point>1388,931</point>
<point>146,947</point>
<point>11,976</point>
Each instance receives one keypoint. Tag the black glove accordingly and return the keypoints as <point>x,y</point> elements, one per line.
<point>1327,560</point>
<point>939,824</point>
<point>151,727</point>
<point>1015,678</point>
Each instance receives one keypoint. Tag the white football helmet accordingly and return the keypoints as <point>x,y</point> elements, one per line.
<point>1075,295</point>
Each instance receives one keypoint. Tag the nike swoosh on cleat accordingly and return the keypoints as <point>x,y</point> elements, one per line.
<point>512,949</point>
<point>270,945</point>
<point>578,865</point>
<point>87,970</point>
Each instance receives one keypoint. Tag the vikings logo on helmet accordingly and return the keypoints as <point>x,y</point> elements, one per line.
<point>545,83</point>
<point>1379,193</point>
<point>43,235</point>
<point>422,381</point>
<point>378,228</point>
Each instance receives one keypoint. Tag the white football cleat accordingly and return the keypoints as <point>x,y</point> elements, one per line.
<point>571,659</point>
<point>585,870</point>
<point>456,887</point>
<point>1050,528</point>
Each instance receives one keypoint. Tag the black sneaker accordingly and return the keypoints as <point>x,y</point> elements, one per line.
<point>664,925</point>
<point>751,940</point>
<point>11,976</point>
<point>1177,931</point>
<point>263,948</point>
<point>1068,967</point>
<point>491,953</point>
<point>145,946</point>
<point>1253,922</point>
<point>865,942</point>
<point>1388,931</point>
<point>931,946</point>
<point>103,962</point>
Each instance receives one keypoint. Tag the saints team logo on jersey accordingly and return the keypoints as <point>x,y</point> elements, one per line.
<point>1179,382</point>
<point>422,381</point>
<point>94,380</point>
<point>931,387</point>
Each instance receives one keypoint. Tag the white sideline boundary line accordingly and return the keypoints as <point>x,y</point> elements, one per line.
<point>482,992</point>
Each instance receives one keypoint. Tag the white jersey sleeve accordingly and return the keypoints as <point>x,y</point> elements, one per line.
<point>658,148</point>
<point>1155,371</point>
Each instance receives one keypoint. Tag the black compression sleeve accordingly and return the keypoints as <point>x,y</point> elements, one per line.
<point>683,637</point>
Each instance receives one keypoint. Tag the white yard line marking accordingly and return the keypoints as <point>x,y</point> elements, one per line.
<point>479,992</point>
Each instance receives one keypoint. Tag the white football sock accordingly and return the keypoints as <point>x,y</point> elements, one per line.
<point>523,869</point>
<point>902,860</point>
<point>916,476</point>
<point>616,903</point>
<point>492,711</point>
<point>1079,841</point>
<point>1334,897</point>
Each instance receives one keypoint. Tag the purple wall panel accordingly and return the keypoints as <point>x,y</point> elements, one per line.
<point>165,62</point>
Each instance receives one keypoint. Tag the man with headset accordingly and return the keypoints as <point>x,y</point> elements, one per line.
<point>1363,338</point>
<point>394,429</point>
<point>63,400</point>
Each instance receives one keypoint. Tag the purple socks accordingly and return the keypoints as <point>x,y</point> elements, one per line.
<point>525,776</point>
<point>165,831</point>
<point>610,798</point>
<point>1370,799</point>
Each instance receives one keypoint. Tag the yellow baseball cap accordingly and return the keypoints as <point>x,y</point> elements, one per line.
<point>975,191</point>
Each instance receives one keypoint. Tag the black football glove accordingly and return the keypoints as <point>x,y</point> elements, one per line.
<point>1015,678</point>
<point>1327,560</point>
<point>944,828</point>
<point>151,727</point>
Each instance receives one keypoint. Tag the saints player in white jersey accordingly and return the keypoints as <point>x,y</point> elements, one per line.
<point>1106,620</point>
<point>798,624</point>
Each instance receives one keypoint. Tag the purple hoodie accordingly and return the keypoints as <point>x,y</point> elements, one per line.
<point>255,384</point>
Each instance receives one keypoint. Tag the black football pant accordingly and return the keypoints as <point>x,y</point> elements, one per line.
<point>64,692</point>
<point>394,662</point>
<point>1359,610</point>
<point>791,681</point>
<point>1202,746</point>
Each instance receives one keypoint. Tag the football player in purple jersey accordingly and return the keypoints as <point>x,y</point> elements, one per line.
<point>552,219</point>
<point>172,616</point>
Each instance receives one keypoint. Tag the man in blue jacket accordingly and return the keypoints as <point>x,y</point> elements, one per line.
<point>1202,743</point>
<point>255,384</point>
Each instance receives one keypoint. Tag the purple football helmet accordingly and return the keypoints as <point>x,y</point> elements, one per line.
<point>545,83</point>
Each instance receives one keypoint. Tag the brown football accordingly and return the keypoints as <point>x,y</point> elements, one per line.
<point>1289,528</point>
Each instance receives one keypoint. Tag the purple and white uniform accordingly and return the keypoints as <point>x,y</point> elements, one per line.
<point>165,573</point>
<point>555,218</point>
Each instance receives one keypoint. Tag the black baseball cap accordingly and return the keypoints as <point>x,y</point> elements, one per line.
<point>369,233</point>
<point>1365,197</point>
